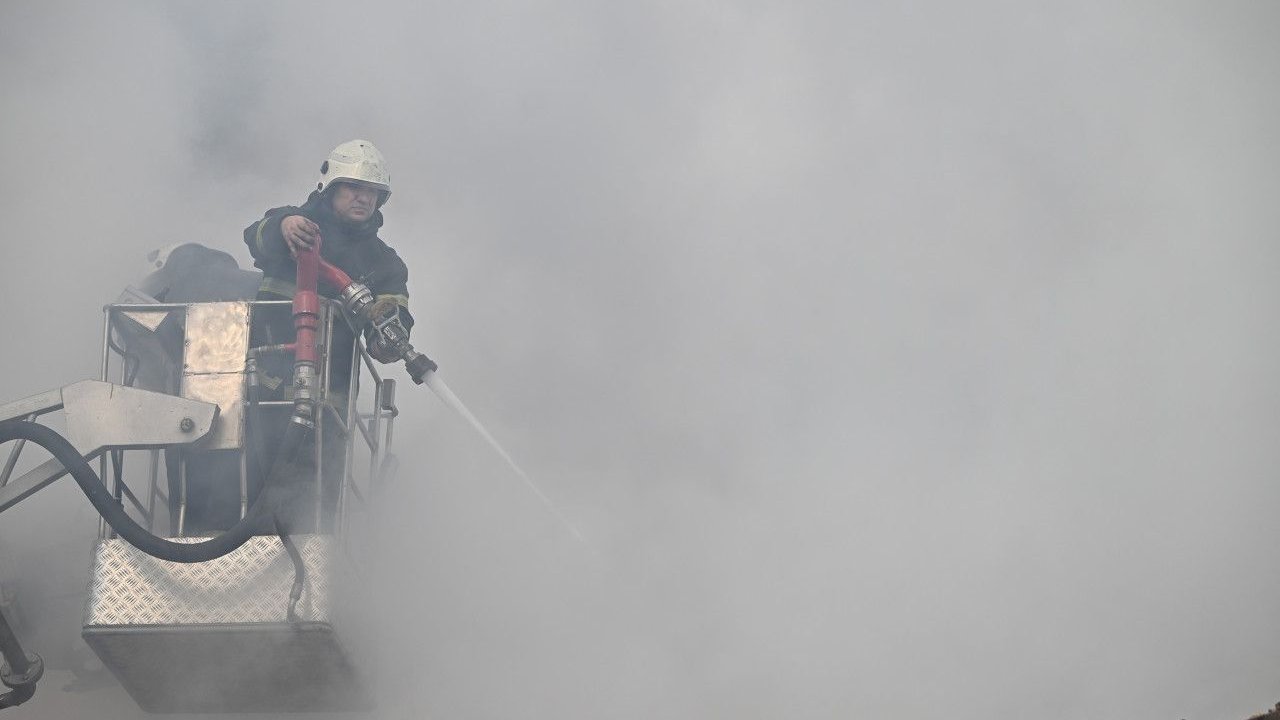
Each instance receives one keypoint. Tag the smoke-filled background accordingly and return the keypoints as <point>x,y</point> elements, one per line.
<point>900,360</point>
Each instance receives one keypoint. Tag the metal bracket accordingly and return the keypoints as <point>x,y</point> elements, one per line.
<point>101,416</point>
<point>45,402</point>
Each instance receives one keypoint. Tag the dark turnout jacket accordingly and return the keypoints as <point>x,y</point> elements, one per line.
<point>356,248</point>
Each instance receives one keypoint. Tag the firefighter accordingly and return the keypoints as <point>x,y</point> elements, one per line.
<point>344,212</point>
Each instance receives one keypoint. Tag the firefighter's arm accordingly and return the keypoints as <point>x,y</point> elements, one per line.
<point>266,238</point>
<point>391,281</point>
<point>387,328</point>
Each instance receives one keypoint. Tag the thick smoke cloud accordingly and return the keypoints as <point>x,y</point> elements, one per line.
<point>897,360</point>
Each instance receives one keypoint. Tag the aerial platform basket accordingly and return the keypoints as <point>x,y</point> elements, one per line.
<point>214,636</point>
<point>259,629</point>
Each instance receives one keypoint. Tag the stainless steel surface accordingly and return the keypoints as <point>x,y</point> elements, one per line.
<point>244,482</point>
<point>217,338</point>
<point>126,307</point>
<point>157,369</point>
<point>212,637</point>
<point>100,414</point>
<point>226,390</point>
<point>250,585</point>
<point>45,402</point>
<point>147,319</point>
<point>31,482</point>
<point>213,366</point>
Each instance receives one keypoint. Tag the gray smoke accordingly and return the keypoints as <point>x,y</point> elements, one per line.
<point>901,361</point>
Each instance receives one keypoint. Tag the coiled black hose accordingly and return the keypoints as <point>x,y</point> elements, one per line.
<point>20,670</point>
<point>269,502</point>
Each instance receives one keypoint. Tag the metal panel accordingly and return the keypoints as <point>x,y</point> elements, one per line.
<point>36,404</point>
<point>226,390</point>
<point>217,338</point>
<point>211,637</point>
<point>101,414</point>
<point>272,668</point>
<point>213,363</point>
<point>250,585</point>
<point>148,319</point>
<point>139,333</point>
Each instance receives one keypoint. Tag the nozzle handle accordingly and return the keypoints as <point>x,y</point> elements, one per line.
<point>418,367</point>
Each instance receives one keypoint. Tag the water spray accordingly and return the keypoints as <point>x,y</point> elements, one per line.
<point>438,386</point>
<point>361,306</point>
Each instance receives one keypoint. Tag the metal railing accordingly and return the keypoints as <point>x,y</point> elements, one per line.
<point>371,430</point>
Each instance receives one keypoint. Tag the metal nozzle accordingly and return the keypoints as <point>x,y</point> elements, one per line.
<point>418,366</point>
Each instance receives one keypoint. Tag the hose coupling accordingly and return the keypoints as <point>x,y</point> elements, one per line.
<point>26,678</point>
<point>356,298</point>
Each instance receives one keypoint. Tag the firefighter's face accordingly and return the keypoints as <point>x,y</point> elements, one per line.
<point>354,202</point>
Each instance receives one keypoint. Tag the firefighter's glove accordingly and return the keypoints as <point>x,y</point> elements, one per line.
<point>380,347</point>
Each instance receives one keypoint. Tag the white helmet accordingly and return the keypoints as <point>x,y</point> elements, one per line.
<point>357,162</point>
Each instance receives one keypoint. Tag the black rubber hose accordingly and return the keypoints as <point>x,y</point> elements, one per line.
<point>130,530</point>
<point>17,696</point>
<point>253,432</point>
<point>299,569</point>
<point>254,447</point>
